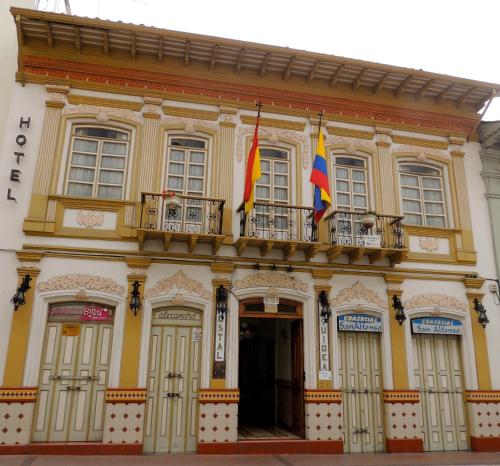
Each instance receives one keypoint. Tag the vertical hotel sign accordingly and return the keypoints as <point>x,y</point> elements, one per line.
<point>219,367</point>
<point>324,354</point>
<point>15,173</point>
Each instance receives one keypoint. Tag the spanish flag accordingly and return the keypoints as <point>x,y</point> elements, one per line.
<point>253,170</point>
<point>319,177</point>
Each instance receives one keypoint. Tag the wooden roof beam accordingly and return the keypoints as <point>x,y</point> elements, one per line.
<point>335,77</point>
<point>213,59</point>
<point>288,70</point>
<point>442,95</point>
<point>50,37</point>
<point>314,69</point>
<point>357,83</point>
<point>378,87</point>
<point>465,96</point>
<point>78,40</point>
<point>106,42</point>
<point>160,48</point>
<point>263,68</point>
<point>239,63</point>
<point>421,92</point>
<point>186,53</point>
<point>133,50</point>
<point>401,88</point>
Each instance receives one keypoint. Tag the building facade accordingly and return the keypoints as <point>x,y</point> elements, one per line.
<point>151,313</point>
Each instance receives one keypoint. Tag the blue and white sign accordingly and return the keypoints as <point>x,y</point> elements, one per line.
<point>437,326</point>
<point>359,323</point>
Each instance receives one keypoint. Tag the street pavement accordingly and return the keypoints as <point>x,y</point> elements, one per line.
<point>366,459</point>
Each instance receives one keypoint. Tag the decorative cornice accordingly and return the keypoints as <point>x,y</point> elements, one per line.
<point>419,142</point>
<point>482,396</point>
<point>350,133</point>
<point>126,395</point>
<point>102,113</point>
<point>76,99</point>
<point>182,282</point>
<point>274,123</point>
<point>228,395</point>
<point>82,281</point>
<point>193,113</point>
<point>272,279</point>
<point>18,395</point>
<point>322,396</point>
<point>401,396</point>
<point>358,291</point>
<point>422,154</point>
<point>434,300</point>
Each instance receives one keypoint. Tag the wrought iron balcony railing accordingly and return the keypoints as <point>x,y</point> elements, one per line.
<point>365,229</point>
<point>279,222</point>
<point>357,232</point>
<point>181,218</point>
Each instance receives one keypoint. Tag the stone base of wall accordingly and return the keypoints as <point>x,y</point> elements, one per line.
<point>16,415</point>
<point>271,447</point>
<point>324,421</point>
<point>80,448</point>
<point>415,445</point>
<point>218,423</point>
<point>485,443</point>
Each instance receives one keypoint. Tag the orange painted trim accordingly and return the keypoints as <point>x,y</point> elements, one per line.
<point>401,396</point>
<point>237,92</point>
<point>126,395</point>
<point>322,396</point>
<point>74,448</point>
<point>272,447</point>
<point>18,394</point>
<point>485,443</point>
<point>482,396</point>
<point>404,445</point>
<point>219,395</point>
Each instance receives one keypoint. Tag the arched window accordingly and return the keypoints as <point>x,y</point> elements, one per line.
<point>351,183</point>
<point>186,165</point>
<point>422,195</point>
<point>274,184</point>
<point>97,163</point>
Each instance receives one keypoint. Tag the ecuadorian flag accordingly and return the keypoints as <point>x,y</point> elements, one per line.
<point>319,177</point>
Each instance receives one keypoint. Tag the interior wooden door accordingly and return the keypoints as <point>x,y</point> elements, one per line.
<point>298,409</point>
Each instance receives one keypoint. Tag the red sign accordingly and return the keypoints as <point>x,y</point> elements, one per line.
<point>95,313</point>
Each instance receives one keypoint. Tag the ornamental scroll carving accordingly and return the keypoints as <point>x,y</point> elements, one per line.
<point>422,153</point>
<point>82,282</point>
<point>428,243</point>
<point>435,300</point>
<point>273,135</point>
<point>190,123</point>
<point>102,112</point>
<point>272,279</point>
<point>89,218</point>
<point>182,282</point>
<point>352,144</point>
<point>356,292</point>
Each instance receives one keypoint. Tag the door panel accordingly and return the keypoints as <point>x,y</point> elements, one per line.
<point>298,409</point>
<point>360,376</point>
<point>173,384</point>
<point>438,376</point>
<point>73,380</point>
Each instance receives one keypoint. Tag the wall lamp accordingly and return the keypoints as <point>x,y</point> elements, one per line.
<point>221,300</point>
<point>325,312</point>
<point>135,298</point>
<point>19,299</point>
<point>399,308</point>
<point>482,318</point>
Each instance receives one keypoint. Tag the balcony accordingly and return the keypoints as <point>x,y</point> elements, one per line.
<point>271,226</point>
<point>189,219</point>
<point>359,234</point>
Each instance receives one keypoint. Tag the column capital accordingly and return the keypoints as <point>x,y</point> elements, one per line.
<point>57,95</point>
<point>471,295</point>
<point>222,267</point>
<point>138,262</point>
<point>474,283</point>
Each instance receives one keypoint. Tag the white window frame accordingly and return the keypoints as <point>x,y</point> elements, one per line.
<point>366,169</point>
<point>272,172</point>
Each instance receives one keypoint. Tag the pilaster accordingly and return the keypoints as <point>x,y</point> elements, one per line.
<point>385,200</point>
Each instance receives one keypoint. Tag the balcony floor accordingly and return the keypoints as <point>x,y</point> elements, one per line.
<point>356,253</point>
<point>191,239</point>
<point>289,248</point>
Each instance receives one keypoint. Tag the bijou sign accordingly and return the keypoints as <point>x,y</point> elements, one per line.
<point>359,323</point>
<point>437,326</point>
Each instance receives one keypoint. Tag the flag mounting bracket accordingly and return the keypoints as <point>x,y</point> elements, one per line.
<point>320,114</point>
<point>259,106</point>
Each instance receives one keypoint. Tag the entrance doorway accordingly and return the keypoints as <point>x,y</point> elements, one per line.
<point>173,381</point>
<point>74,373</point>
<point>271,378</point>
<point>438,375</point>
<point>361,378</point>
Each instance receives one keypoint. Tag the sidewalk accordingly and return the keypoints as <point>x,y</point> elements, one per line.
<point>367,459</point>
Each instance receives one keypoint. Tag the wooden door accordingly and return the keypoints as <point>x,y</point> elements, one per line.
<point>360,377</point>
<point>173,385</point>
<point>438,375</point>
<point>298,423</point>
<point>73,379</point>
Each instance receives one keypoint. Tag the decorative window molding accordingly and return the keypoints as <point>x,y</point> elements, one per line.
<point>272,279</point>
<point>356,292</point>
<point>82,282</point>
<point>434,300</point>
<point>180,281</point>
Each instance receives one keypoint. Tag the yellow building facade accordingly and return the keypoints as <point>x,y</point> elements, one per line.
<point>153,314</point>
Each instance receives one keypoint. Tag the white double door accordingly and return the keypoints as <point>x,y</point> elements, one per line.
<point>173,385</point>
<point>73,379</point>
<point>438,375</point>
<point>361,379</point>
